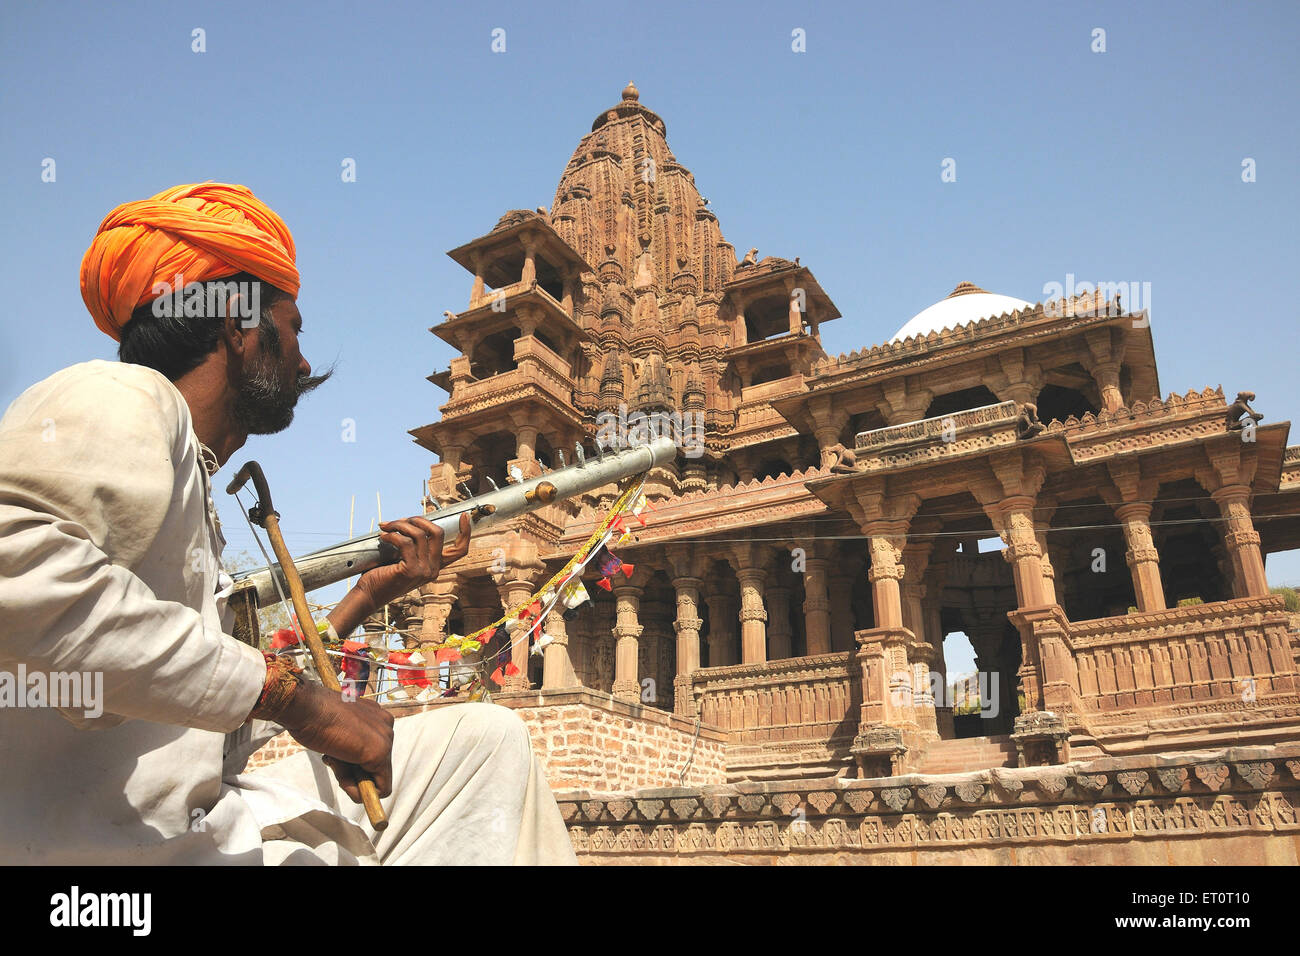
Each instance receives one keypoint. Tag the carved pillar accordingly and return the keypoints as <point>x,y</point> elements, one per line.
<point>529,275</point>
<point>627,685</point>
<point>475,619</point>
<point>557,666</point>
<point>566,299</point>
<point>1106,374</point>
<point>841,609</point>
<point>721,628</point>
<point>436,604</point>
<point>886,571</point>
<point>1013,517</point>
<point>778,625</point>
<point>1241,539</point>
<point>516,588</point>
<point>526,441</point>
<point>922,652</point>
<point>1044,509</point>
<point>476,292</point>
<point>1143,558</point>
<point>816,607</point>
<point>687,625</point>
<point>752,616</point>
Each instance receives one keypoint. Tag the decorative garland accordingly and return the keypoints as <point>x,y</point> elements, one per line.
<point>523,621</point>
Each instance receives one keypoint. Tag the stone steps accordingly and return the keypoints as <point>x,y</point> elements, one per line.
<point>966,754</point>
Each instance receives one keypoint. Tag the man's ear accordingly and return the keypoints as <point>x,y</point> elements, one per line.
<point>237,338</point>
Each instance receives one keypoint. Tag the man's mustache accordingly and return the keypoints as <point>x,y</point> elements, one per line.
<point>306,383</point>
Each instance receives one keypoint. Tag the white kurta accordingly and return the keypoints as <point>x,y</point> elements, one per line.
<point>109,564</point>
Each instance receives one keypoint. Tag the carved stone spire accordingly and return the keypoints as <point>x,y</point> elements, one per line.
<point>611,381</point>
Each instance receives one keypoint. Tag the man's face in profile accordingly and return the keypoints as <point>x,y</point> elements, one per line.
<point>279,374</point>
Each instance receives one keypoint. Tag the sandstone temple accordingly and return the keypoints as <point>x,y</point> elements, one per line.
<point>768,685</point>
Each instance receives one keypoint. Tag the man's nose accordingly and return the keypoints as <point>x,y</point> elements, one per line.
<point>304,367</point>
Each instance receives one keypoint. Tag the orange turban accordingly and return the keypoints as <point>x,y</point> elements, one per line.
<point>201,231</point>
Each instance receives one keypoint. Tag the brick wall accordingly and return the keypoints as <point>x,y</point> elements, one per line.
<point>586,740</point>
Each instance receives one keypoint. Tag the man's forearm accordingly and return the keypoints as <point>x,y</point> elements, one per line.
<point>351,612</point>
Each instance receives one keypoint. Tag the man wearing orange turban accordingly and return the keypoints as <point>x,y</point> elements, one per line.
<point>111,586</point>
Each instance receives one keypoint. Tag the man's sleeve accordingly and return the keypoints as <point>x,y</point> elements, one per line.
<point>87,469</point>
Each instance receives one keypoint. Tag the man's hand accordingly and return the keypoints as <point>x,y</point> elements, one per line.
<point>419,542</point>
<point>350,734</point>
<point>422,556</point>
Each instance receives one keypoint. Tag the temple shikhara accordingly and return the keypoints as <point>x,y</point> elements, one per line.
<point>768,684</point>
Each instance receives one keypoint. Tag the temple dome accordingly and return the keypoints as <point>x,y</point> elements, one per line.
<point>966,303</point>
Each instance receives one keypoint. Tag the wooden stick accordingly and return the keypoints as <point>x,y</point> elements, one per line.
<point>310,636</point>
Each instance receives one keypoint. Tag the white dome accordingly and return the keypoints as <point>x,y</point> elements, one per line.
<point>964,304</point>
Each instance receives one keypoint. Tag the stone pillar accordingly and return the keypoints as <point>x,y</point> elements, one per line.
<point>721,628</point>
<point>1241,539</point>
<point>778,625</point>
<point>515,590</point>
<point>627,685</point>
<point>752,616</point>
<point>1044,509</point>
<point>557,667</point>
<point>476,618</point>
<point>816,607</point>
<point>479,288</point>
<point>1106,375</point>
<point>529,275</point>
<point>436,604</point>
<point>841,610</point>
<point>886,571</point>
<point>566,300</point>
<point>526,441</point>
<point>798,299</point>
<point>921,653</point>
<point>687,625</point>
<point>1014,519</point>
<point>1143,559</point>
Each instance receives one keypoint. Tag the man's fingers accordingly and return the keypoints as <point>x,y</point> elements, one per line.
<point>345,774</point>
<point>418,537</point>
<point>460,547</point>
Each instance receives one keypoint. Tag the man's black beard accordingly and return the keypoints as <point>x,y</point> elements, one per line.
<point>264,404</point>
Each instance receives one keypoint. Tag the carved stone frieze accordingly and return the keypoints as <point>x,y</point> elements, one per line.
<point>1213,775</point>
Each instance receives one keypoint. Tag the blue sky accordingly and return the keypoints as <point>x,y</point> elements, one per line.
<point>1122,165</point>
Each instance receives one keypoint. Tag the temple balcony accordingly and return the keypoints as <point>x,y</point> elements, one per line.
<point>525,307</point>
<point>757,422</point>
<point>538,390</point>
<point>523,252</point>
<point>934,439</point>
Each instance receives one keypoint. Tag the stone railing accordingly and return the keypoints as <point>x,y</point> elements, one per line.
<point>773,389</point>
<point>797,699</point>
<point>1202,657</point>
<point>539,368</point>
<point>1178,418</point>
<point>976,429</point>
